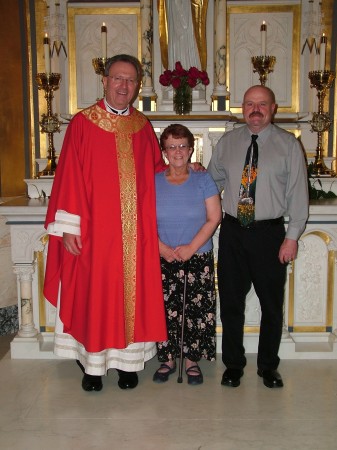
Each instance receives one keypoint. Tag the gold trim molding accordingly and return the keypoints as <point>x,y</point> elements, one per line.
<point>296,10</point>
<point>72,13</point>
<point>330,292</point>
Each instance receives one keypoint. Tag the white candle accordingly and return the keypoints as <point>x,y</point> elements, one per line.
<point>322,49</point>
<point>46,49</point>
<point>263,38</point>
<point>104,40</point>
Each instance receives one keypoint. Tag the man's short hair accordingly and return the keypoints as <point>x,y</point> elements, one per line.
<point>271,93</point>
<point>124,58</point>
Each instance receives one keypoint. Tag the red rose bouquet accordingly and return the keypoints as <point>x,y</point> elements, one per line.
<point>180,77</point>
<point>183,81</point>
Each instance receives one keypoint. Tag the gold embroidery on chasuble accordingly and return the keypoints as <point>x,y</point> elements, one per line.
<point>124,127</point>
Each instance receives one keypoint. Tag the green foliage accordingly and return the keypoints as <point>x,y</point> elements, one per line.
<point>314,193</point>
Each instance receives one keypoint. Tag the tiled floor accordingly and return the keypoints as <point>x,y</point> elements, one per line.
<point>44,407</point>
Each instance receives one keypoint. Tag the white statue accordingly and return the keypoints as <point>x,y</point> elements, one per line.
<point>182,33</point>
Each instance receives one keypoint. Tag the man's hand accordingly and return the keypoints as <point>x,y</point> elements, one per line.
<point>288,251</point>
<point>72,243</point>
<point>197,167</point>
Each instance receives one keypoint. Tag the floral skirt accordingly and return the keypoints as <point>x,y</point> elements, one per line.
<point>199,329</point>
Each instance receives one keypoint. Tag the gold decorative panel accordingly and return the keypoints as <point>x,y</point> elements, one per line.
<point>311,285</point>
<point>84,32</point>
<point>283,42</point>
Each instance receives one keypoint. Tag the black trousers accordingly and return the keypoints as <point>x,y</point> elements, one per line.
<point>249,256</point>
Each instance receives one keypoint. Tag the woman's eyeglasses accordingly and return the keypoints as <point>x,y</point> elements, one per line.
<point>175,147</point>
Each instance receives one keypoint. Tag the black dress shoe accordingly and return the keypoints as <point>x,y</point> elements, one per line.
<point>271,378</point>
<point>80,365</point>
<point>92,382</point>
<point>127,380</point>
<point>231,377</point>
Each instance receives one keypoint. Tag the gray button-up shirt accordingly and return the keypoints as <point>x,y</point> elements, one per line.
<point>282,183</point>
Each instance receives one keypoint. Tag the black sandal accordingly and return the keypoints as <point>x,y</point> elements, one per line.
<point>161,377</point>
<point>194,379</point>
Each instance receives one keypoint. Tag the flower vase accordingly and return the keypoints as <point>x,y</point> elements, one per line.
<point>182,100</point>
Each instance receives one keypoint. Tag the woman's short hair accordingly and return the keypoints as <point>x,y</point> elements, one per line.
<point>177,131</point>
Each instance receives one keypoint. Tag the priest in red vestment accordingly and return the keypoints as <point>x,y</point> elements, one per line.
<point>103,267</point>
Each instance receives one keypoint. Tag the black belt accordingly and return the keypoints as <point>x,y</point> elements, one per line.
<point>256,223</point>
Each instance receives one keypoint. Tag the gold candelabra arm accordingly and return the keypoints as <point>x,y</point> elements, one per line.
<point>48,81</point>
<point>321,80</point>
<point>49,122</point>
<point>99,65</point>
<point>263,65</point>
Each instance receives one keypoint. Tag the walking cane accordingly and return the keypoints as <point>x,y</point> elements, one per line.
<point>180,376</point>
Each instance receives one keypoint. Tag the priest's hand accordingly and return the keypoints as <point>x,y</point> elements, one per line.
<point>72,243</point>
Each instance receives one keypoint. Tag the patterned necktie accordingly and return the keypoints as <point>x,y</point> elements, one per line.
<point>246,205</point>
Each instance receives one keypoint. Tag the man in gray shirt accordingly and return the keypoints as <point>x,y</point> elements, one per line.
<point>257,252</point>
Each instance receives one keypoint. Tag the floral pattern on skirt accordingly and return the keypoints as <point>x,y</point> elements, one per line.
<point>199,331</point>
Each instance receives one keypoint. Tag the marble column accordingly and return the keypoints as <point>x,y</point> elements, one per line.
<point>147,93</point>
<point>24,274</point>
<point>220,89</point>
<point>288,293</point>
<point>214,136</point>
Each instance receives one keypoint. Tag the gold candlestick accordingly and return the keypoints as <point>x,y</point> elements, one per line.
<point>99,65</point>
<point>263,65</point>
<point>322,80</point>
<point>49,123</point>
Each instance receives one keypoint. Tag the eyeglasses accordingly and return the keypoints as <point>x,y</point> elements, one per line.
<point>120,80</point>
<point>175,147</point>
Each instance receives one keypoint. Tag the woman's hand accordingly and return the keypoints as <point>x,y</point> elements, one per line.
<point>167,252</point>
<point>184,252</point>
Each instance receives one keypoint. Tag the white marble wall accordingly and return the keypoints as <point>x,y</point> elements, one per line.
<point>310,319</point>
<point>9,321</point>
<point>8,293</point>
<point>122,38</point>
<point>245,39</point>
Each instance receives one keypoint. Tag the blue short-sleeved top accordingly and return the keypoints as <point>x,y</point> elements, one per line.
<point>181,209</point>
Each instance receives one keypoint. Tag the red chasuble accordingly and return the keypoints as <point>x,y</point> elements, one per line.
<point>111,295</point>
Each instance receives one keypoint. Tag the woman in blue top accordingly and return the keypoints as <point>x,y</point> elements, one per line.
<point>188,212</point>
